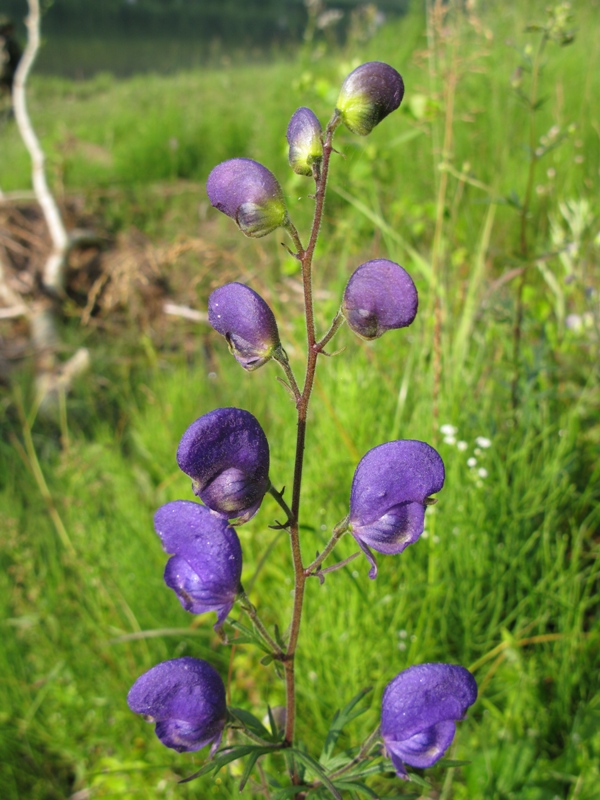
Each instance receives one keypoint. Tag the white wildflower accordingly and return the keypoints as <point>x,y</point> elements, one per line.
<point>448,430</point>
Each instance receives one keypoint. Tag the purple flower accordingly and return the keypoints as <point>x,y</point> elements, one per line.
<point>206,566</point>
<point>379,296</point>
<point>226,454</point>
<point>390,490</point>
<point>304,139</point>
<point>419,710</point>
<point>246,321</point>
<point>185,697</point>
<point>368,95</point>
<point>249,194</point>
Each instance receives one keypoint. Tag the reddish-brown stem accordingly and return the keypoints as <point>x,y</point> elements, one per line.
<point>306,256</point>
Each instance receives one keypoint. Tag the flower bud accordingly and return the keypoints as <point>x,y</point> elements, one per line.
<point>206,566</point>
<point>304,139</point>
<point>418,713</point>
<point>249,194</point>
<point>185,697</point>
<point>368,95</point>
<point>379,296</point>
<point>226,454</point>
<point>246,321</point>
<point>390,491</point>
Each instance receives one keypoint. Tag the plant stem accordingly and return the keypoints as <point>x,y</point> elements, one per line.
<point>305,257</point>
<point>338,532</point>
<point>281,357</point>
<point>247,606</point>
<point>337,323</point>
<point>362,753</point>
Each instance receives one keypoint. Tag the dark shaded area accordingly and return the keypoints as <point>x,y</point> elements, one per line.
<point>10,55</point>
<point>163,35</point>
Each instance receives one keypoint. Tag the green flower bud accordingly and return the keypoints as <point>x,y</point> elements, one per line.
<point>304,139</point>
<point>368,95</point>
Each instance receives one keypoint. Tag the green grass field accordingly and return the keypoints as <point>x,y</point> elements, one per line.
<point>505,581</point>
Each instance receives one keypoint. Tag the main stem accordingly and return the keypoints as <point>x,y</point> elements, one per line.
<point>305,256</point>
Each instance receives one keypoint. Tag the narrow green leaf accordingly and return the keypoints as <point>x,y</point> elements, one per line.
<point>289,791</point>
<point>252,723</point>
<point>225,757</point>
<point>359,788</point>
<point>418,780</point>
<point>339,721</point>
<point>252,759</point>
<point>317,769</point>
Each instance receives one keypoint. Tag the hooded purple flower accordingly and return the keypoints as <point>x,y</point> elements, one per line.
<point>419,710</point>
<point>249,194</point>
<point>206,566</point>
<point>185,697</point>
<point>226,454</point>
<point>246,321</point>
<point>368,95</point>
<point>390,490</point>
<point>379,296</point>
<point>304,139</point>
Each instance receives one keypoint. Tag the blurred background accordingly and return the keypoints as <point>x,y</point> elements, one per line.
<point>484,185</point>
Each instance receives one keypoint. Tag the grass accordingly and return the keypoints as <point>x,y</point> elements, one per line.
<point>506,579</point>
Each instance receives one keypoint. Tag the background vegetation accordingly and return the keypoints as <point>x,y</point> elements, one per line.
<point>506,578</point>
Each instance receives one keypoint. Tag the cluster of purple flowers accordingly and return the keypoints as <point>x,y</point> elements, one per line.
<point>226,454</point>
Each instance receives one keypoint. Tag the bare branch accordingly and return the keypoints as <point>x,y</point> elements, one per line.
<point>54,270</point>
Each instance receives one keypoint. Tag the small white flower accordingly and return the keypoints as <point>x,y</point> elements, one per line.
<point>484,442</point>
<point>483,473</point>
<point>471,462</point>
<point>448,430</point>
<point>449,439</point>
<point>477,451</point>
<point>462,446</point>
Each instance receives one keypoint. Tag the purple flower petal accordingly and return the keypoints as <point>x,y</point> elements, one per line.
<point>387,503</point>
<point>248,193</point>
<point>379,297</point>
<point>206,567</point>
<point>239,314</point>
<point>304,138</point>
<point>226,454</point>
<point>418,713</point>
<point>368,95</point>
<point>185,697</point>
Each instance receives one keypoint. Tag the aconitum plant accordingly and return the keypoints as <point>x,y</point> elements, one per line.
<point>226,455</point>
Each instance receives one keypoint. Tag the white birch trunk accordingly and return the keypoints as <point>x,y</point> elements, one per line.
<point>53,276</point>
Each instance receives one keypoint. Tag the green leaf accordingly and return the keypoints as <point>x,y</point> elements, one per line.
<point>226,756</point>
<point>252,723</point>
<point>289,791</point>
<point>418,780</point>
<point>317,769</point>
<point>359,788</point>
<point>339,721</point>
<point>253,758</point>
<point>246,635</point>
